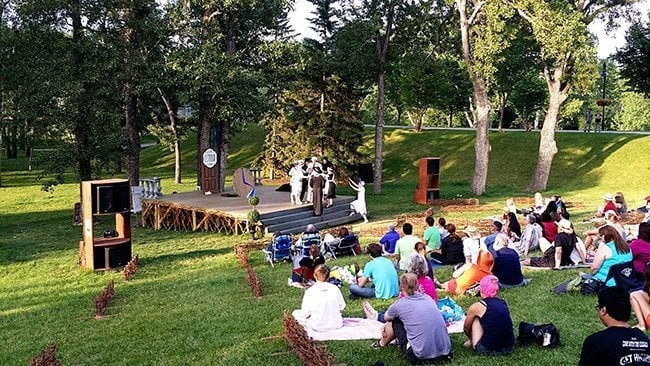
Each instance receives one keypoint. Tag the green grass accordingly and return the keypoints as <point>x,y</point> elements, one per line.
<point>189,302</point>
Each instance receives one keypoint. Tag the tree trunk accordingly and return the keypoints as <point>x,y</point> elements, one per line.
<point>132,134</point>
<point>81,127</point>
<point>171,114</point>
<point>503,98</point>
<point>205,125</point>
<point>558,94</point>
<point>382,51</point>
<point>379,130</point>
<point>481,105</point>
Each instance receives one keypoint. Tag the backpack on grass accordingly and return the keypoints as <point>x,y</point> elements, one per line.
<point>546,335</point>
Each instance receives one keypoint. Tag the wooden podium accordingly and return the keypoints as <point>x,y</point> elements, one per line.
<point>105,200</point>
<point>428,187</point>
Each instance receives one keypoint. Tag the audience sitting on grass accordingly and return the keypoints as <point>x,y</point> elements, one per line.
<point>488,324</point>
<point>640,301</point>
<point>497,226</point>
<point>426,285</point>
<point>417,324</point>
<point>609,205</point>
<point>310,234</point>
<point>472,244</point>
<point>381,271</point>
<point>591,236</point>
<point>507,267</point>
<point>618,344</point>
<point>615,250</point>
<point>431,236</point>
<point>641,248</point>
<point>470,274</point>
<point>442,227</point>
<point>451,249</point>
<point>560,253</point>
<point>646,206</point>
<point>405,245</point>
<point>549,225</point>
<point>513,229</point>
<point>620,203</point>
<point>389,240</point>
<point>304,266</point>
<point>530,237</point>
<point>322,304</point>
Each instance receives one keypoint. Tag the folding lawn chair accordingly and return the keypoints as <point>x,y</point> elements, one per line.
<point>306,241</point>
<point>346,245</point>
<point>279,249</point>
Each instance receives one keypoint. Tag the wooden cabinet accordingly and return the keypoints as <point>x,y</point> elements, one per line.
<point>428,187</point>
<point>105,204</point>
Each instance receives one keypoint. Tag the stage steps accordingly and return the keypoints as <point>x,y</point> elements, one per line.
<point>294,220</point>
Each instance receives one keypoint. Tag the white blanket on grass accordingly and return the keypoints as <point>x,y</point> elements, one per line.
<point>361,328</point>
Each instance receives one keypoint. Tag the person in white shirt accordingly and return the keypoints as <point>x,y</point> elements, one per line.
<point>472,244</point>
<point>322,304</point>
<point>296,182</point>
<point>405,245</point>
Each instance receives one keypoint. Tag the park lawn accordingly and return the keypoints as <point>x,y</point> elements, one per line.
<point>189,302</point>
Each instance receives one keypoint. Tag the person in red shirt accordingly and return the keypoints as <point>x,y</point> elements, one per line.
<point>609,205</point>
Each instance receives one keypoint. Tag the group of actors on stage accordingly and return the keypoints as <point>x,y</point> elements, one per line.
<point>313,182</point>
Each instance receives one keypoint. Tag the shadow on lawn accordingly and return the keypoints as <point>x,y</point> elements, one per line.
<point>171,258</point>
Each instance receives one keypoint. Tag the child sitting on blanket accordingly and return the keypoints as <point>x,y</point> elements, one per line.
<point>322,304</point>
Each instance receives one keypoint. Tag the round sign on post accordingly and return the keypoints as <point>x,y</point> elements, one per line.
<point>210,158</point>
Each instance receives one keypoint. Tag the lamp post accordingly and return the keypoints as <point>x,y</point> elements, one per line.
<point>603,75</point>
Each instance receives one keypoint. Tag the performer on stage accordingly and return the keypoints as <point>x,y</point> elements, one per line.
<point>317,183</point>
<point>296,182</point>
<point>330,186</point>
<point>359,205</point>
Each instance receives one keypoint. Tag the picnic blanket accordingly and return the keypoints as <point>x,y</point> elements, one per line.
<point>361,328</point>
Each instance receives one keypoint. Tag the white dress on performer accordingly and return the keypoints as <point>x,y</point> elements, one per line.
<point>359,205</point>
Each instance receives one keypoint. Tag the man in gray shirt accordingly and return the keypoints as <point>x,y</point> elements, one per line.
<point>417,324</point>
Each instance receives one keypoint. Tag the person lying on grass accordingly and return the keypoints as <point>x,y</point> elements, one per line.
<point>417,324</point>
<point>417,265</point>
<point>488,324</point>
<point>322,304</point>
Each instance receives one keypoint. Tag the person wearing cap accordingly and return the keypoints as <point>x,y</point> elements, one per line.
<point>472,244</point>
<point>560,253</point>
<point>389,239</point>
<point>609,205</point>
<point>488,324</point>
<point>418,325</point>
<point>618,344</point>
<point>529,237</point>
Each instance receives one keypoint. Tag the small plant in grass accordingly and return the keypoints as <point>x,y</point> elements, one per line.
<point>253,218</point>
<point>103,299</point>
<point>47,357</point>
<point>131,268</point>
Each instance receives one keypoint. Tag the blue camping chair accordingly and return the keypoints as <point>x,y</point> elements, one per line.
<point>306,241</point>
<point>279,249</point>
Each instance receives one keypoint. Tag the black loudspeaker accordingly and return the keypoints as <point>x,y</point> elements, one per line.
<point>112,198</point>
<point>365,172</point>
<point>103,199</point>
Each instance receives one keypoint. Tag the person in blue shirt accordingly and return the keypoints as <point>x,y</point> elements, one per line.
<point>389,239</point>
<point>381,271</point>
<point>489,240</point>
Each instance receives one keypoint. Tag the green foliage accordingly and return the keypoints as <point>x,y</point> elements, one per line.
<point>254,200</point>
<point>253,216</point>
<point>633,115</point>
<point>634,56</point>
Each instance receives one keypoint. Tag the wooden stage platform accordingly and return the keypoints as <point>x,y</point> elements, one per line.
<point>193,211</point>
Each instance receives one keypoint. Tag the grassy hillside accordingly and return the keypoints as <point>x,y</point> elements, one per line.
<point>189,303</point>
